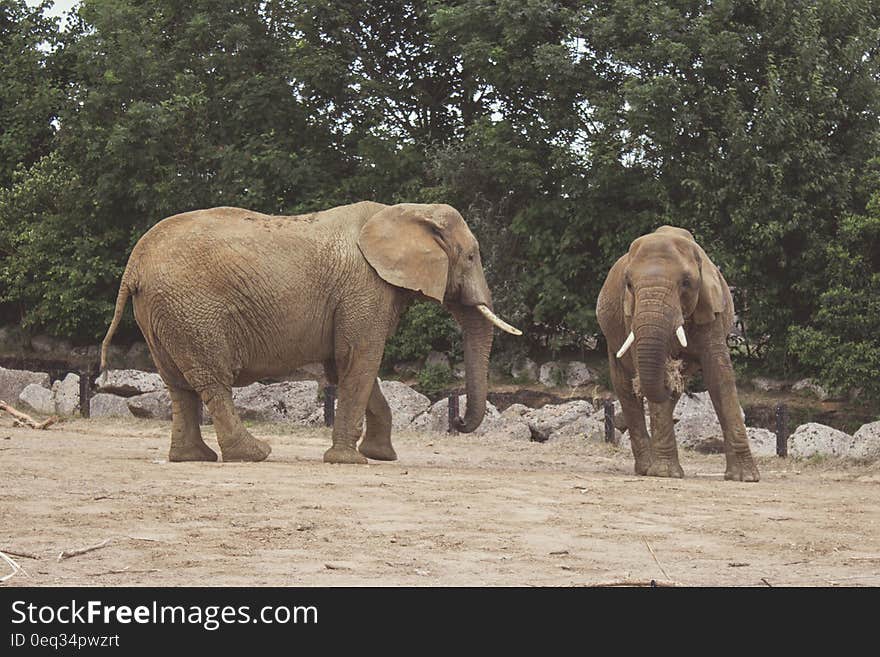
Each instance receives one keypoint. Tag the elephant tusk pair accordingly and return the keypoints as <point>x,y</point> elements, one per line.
<point>500,323</point>
<point>679,333</point>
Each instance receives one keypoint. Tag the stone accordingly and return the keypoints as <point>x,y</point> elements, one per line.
<point>436,418</point>
<point>762,442</point>
<point>553,421</point>
<point>151,405</point>
<point>66,393</point>
<point>36,397</point>
<point>525,370</point>
<point>552,374</point>
<point>288,401</point>
<point>106,405</point>
<point>129,382</point>
<point>813,439</point>
<point>768,385</point>
<point>459,371</point>
<point>866,442</point>
<point>578,374</point>
<point>810,386</point>
<point>13,382</point>
<point>437,359</point>
<point>405,403</point>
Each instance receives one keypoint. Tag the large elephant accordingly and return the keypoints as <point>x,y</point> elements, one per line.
<point>227,296</point>
<point>665,301</point>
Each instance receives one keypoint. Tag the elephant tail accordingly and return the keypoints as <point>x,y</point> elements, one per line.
<point>126,288</point>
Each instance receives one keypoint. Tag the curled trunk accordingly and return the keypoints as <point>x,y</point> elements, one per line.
<point>477,342</point>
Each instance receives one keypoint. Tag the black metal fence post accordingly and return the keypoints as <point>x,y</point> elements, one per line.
<point>453,412</point>
<point>329,405</point>
<point>781,430</point>
<point>609,420</point>
<point>85,393</point>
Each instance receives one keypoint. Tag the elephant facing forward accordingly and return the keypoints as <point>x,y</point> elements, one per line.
<point>665,301</point>
<point>227,296</point>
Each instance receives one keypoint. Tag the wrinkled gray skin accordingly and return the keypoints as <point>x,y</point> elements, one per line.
<point>663,282</point>
<point>227,296</point>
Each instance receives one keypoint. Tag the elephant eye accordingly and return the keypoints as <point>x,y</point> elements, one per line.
<point>471,257</point>
<point>686,283</point>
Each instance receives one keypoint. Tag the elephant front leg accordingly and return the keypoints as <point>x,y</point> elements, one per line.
<point>664,449</point>
<point>357,367</point>
<point>186,437</point>
<point>721,382</point>
<point>376,443</point>
<point>633,413</point>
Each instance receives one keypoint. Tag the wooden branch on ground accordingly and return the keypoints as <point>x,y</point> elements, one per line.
<point>66,554</point>
<point>23,419</point>
<point>20,553</point>
<point>636,582</point>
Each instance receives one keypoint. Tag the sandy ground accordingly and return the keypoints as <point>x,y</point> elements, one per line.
<point>452,511</point>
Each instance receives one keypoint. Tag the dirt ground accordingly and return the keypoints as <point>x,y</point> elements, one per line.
<point>452,511</point>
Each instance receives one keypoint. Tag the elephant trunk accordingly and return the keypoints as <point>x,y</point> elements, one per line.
<point>654,328</point>
<point>477,339</point>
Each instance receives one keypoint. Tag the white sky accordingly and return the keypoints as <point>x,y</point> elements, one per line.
<point>60,8</point>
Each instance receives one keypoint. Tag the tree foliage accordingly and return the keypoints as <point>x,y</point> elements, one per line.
<point>561,129</point>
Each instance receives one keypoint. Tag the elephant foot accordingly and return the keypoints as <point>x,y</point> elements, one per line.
<point>377,452</point>
<point>665,468</point>
<point>247,448</point>
<point>344,455</point>
<point>191,452</point>
<point>642,466</point>
<point>742,468</point>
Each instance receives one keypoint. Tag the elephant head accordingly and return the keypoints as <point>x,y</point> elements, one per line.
<point>669,283</point>
<point>429,249</point>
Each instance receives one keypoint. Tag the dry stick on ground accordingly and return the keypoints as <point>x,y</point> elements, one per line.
<point>66,554</point>
<point>651,550</point>
<point>22,419</point>
<point>15,568</point>
<point>636,582</point>
<point>21,553</point>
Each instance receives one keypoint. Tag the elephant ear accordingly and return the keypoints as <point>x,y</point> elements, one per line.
<point>712,298</point>
<point>402,243</point>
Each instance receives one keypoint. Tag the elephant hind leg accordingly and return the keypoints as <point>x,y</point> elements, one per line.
<point>376,443</point>
<point>186,437</point>
<point>236,442</point>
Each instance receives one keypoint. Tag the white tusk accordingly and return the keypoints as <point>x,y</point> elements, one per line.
<point>679,333</point>
<point>629,340</point>
<point>500,323</point>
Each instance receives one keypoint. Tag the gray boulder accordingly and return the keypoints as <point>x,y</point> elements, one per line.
<point>437,359</point>
<point>37,398</point>
<point>13,382</point>
<point>405,403</point>
<point>810,386</point>
<point>152,405</point>
<point>106,405</point>
<point>436,418</point>
<point>768,385</point>
<point>578,374</point>
<point>525,370</point>
<point>569,420</point>
<point>813,439</point>
<point>129,382</point>
<point>866,442</point>
<point>288,401</point>
<point>761,441</point>
<point>66,394</point>
<point>552,374</point>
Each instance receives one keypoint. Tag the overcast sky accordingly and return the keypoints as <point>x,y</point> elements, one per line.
<point>60,7</point>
